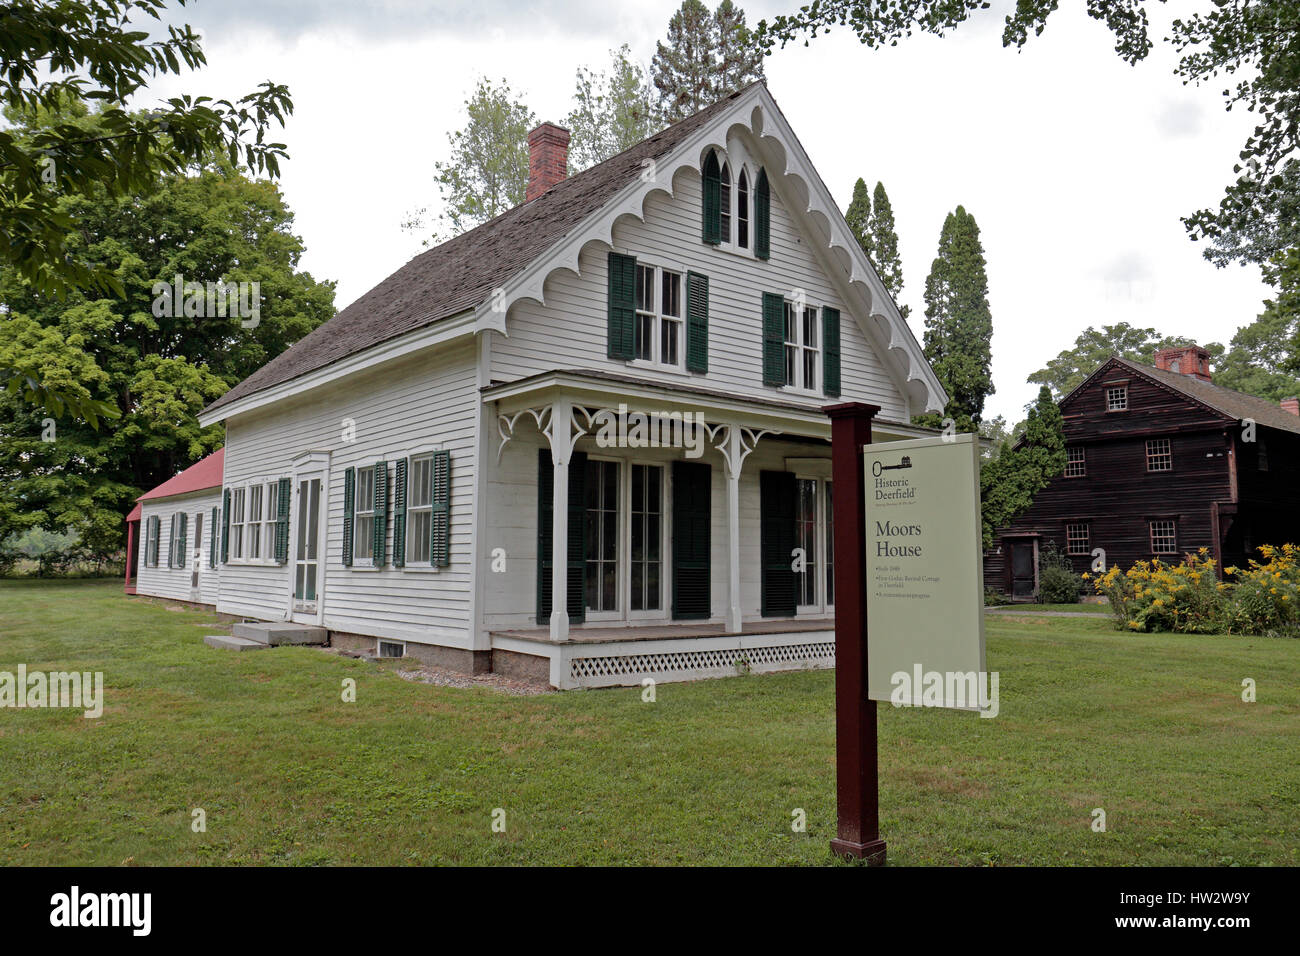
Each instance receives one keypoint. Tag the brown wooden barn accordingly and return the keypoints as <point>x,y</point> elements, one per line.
<point>1161,462</point>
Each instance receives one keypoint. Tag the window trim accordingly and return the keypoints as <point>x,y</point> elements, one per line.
<point>800,387</point>
<point>358,513</point>
<point>1166,456</point>
<point>1122,388</point>
<point>1173,534</point>
<point>729,196</point>
<point>1087,538</point>
<point>1081,461</point>
<point>242,492</point>
<point>658,318</point>
<point>419,564</point>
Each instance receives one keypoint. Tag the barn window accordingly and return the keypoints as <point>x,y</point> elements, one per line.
<point>1075,465</point>
<point>1076,538</point>
<point>1164,536</point>
<point>1159,455</point>
<point>1117,398</point>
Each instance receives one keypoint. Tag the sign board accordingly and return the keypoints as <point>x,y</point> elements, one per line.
<point>924,573</point>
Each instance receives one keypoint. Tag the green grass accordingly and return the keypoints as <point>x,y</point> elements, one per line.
<point>1079,608</point>
<point>1149,727</point>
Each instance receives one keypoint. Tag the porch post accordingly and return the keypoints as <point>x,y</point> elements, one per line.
<point>734,461</point>
<point>561,447</point>
<point>856,787</point>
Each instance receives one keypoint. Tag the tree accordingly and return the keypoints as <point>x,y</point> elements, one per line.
<point>1264,357</point>
<point>156,365</point>
<point>706,58</point>
<point>53,54</point>
<point>858,216</point>
<point>487,171</point>
<point>1257,41</point>
<point>958,321</point>
<point>613,111</point>
<point>1010,480</point>
<point>884,243</point>
<point>1068,370</point>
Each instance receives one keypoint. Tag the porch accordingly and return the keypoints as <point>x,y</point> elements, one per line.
<point>599,656</point>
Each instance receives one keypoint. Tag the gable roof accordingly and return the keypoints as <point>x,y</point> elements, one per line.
<point>1226,401</point>
<point>203,474</point>
<point>461,273</point>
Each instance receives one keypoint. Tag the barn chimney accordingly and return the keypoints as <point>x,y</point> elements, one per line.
<point>1185,360</point>
<point>1291,405</point>
<point>548,159</point>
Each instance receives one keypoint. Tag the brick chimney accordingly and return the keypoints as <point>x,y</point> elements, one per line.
<point>548,159</point>
<point>1185,360</point>
<point>1291,405</point>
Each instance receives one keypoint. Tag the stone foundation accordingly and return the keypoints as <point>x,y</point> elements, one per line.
<point>452,658</point>
<point>518,666</point>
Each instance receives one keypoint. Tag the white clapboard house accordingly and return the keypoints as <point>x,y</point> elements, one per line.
<point>171,549</point>
<point>582,441</point>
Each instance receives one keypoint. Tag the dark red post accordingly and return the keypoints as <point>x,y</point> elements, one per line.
<point>856,783</point>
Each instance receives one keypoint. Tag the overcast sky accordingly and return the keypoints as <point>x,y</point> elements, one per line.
<point>1076,166</point>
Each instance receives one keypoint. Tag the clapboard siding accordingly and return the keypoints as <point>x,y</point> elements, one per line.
<point>569,331</point>
<point>175,583</point>
<point>512,489</point>
<point>421,404</point>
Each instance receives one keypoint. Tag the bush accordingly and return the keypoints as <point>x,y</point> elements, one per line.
<point>1189,598</point>
<point>1057,582</point>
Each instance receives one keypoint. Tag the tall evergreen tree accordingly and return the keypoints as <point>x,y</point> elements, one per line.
<point>858,216</point>
<point>884,245</point>
<point>958,322</point>
<point>707,56</point>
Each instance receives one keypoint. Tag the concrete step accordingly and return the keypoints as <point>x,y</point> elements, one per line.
<point>233,643</point>
<point>282,633</point>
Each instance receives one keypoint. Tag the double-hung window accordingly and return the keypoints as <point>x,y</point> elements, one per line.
<point>1160,455</point>
<point>802,352</point>
<point>1076,465</point>
<point>237,518</point>
<point>419,510</point>
<point>814,537</point>
<point>1117,398</point>
<point>363,533</point>
<point>1077,538</point>
<point>658,315</point>
<point>176,547</point>
<point>1164,536</point>
<point>254,524</point>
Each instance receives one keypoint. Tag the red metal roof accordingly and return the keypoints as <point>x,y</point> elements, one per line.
<point>206,473</point>
<point>134,514</point>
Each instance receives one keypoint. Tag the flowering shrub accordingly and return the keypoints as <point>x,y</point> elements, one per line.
<point>1188,598</point>
<point>1266,596</point>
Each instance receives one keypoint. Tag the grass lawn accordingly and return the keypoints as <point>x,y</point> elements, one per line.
<point>1079,608</point>
<point>1151,728</point>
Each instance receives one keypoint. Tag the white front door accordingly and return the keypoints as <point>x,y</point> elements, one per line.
<point>307,570</point>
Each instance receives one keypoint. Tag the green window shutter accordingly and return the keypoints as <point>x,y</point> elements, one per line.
<point>577,576</point>
<point>773,339</point>
<point>621,323</point>
<point>213,534</point>
<point>697,322</point>
<point>692,565</point>
<point>762,216</point>
<point>282,521</point>
<point>545,530</point>
<point>171,542</point>
<point>157,540</point>
<point>183,550</point>
<point>380,537</point>
<point>400,470</point>
<point>831,351</point>
<point>349,504</point>
<point>712,200</point>
<point>440,520</point>
<point>225,526</point>
<point>777,542</point>
<point>577,564</point>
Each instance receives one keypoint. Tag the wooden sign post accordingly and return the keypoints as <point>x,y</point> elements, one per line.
<point>856,783</point>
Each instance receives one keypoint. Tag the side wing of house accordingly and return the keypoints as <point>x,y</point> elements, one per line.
<point>175,548</point>
<point>354,557</point>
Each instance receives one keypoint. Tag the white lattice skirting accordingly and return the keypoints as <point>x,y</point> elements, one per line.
<point>628,663</point>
